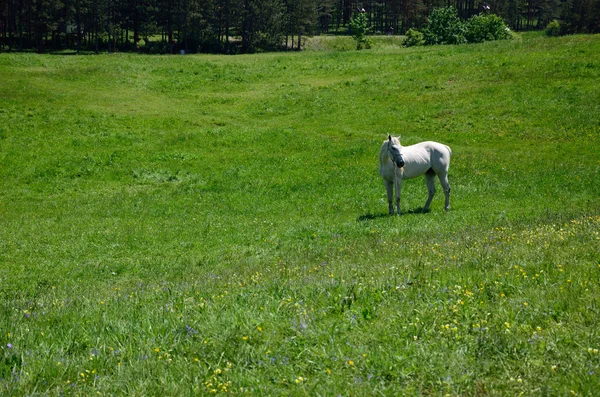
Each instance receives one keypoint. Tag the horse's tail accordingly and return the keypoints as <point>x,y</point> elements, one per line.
<point>449,150</point>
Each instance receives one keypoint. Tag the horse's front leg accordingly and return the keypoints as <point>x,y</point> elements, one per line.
<point>389,187</point>
<point>398,182</point>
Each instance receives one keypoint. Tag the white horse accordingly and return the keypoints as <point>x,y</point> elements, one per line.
<point>397,162</point>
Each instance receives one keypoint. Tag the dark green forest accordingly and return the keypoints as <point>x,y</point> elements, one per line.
<point>244,26</point>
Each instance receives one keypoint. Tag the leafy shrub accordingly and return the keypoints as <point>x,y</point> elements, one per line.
<point>413,38</point>
<point>444,27</point>
<point>553,28</point>
<point>480,28</point>
<point>358,24</point>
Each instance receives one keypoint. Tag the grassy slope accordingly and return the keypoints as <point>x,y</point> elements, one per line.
<point>161,217</point>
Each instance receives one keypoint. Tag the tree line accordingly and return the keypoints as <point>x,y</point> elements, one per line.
<point>243,26</point>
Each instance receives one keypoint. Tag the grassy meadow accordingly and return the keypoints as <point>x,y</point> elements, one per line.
<point>211,225</point>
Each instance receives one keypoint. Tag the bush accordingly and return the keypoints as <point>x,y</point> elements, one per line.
<point>358,24</point>
<point>480,28</point>
<point>444,27</point>
<point>553,29</point>
<point>413,38</point>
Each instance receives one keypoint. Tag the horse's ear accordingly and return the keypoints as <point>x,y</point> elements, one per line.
<point>389,137</point>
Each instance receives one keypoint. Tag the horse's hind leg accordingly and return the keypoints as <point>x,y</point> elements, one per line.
<point>430,179</point>
<point>446,185</point>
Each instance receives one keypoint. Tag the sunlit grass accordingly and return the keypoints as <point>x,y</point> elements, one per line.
<point>194,225</point>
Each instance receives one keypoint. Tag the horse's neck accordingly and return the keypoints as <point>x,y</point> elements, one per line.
<point>383,157</point>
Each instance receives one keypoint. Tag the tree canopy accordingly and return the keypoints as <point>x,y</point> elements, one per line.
<point>234,26</point>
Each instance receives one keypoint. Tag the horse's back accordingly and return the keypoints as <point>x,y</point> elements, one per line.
<point>434,147</point>
<point>430,147</point>
<point>437,154</point>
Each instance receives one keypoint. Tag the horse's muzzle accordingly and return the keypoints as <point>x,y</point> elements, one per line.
<point>400,163</point>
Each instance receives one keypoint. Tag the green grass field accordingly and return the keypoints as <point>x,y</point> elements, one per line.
<point>198,225</point>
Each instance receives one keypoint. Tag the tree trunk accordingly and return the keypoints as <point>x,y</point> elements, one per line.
<point>136,28</point>
<point>227,22</point>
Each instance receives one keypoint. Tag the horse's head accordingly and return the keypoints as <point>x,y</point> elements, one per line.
<point>394,151</point>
